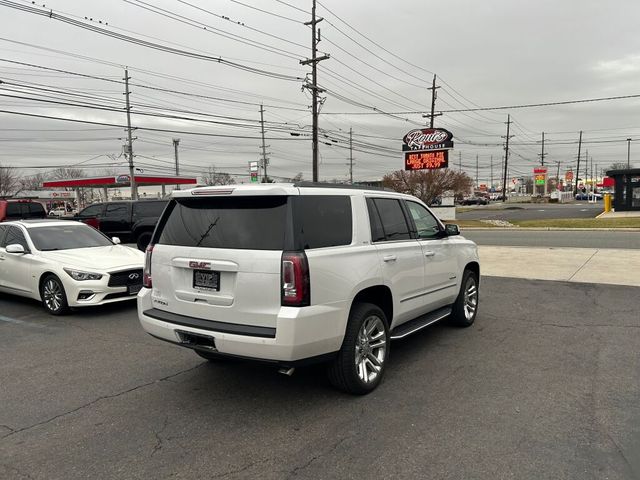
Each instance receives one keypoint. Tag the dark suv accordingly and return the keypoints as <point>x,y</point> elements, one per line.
<point>20,209</point>
<point>130,221</point>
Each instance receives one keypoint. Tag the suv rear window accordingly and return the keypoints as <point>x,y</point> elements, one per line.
<point>255,223</point>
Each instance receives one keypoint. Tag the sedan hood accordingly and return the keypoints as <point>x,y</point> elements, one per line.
<point>103,259</point>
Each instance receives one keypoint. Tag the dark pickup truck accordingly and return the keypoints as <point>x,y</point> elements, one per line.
<point>130,221</point>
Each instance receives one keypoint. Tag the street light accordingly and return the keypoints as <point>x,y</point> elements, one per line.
<point>628,153</point>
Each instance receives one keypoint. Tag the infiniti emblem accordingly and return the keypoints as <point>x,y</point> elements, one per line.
<point>134,276</point>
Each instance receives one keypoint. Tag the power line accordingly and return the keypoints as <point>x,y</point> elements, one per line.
<point>503,107</point>
<point>144,43</point>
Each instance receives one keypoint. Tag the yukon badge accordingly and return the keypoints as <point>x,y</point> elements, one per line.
<point>202,265</point>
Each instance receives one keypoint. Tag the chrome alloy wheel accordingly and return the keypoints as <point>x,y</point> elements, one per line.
<point>53,295</point>
<point>470,298</point>
<point>371,349</point>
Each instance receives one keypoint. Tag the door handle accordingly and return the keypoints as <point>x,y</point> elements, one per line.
<point>429,253</point>
<point>389,258</point>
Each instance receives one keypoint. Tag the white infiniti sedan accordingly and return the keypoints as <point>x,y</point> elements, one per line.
<point>66,264</point>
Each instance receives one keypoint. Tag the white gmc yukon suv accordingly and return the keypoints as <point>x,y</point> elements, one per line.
<point>295,274</point>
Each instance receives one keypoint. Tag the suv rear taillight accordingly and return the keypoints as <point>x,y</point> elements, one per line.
<point>146,274</point>
<point>295,280</point>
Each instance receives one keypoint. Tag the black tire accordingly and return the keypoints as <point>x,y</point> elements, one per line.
<point>143,240</point>
<point>54,298</point>
<point>465,307</point>
<point>347,374</point>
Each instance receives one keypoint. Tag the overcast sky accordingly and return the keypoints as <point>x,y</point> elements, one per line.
<point>491,53</point>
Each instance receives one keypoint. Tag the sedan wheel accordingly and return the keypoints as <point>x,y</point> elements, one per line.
<point>53,296</point>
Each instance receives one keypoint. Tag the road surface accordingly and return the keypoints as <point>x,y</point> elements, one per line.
<point>554,238</point>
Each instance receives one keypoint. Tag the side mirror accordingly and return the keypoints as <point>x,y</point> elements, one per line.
<point>451,229</point>
<point>15,248</point>
<point>115,240</point>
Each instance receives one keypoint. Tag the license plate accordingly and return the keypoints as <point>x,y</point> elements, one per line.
<point>133,289</point>
<point>206,279</point>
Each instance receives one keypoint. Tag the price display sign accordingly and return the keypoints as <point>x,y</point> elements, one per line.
<point>430,160</point>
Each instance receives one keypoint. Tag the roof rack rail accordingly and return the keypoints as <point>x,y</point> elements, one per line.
<point>337,185</point>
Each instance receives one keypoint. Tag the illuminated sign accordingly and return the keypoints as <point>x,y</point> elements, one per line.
<point>427,139</point>
<point>123,179</point>
<point>568,176</point>
<point>540,175</point>
<point>426,160</point>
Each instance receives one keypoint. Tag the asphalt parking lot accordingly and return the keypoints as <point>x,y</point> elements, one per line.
<point>544,385</point>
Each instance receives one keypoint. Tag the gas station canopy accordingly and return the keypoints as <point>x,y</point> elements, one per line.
<point>121,181</point>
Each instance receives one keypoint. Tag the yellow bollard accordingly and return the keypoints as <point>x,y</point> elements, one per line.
<point>607,202</point>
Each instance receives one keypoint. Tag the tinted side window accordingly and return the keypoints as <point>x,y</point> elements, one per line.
<point>148,209</point>
<point>36,210</point>
<point>117,210</point>
<point>377,234</point>
<point>92,211</point>
<point>256,223</point>
<point>426,224</point>
<point>394,223</point>
<point>15,235</point>
<point>323,221</point>
<point>14,210</point>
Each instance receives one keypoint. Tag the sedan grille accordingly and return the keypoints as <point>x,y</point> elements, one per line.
<point>125,278</point>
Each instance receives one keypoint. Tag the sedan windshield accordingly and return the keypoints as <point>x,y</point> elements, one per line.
<point>65,237</point>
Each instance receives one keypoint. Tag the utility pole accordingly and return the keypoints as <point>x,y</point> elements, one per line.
<point>176,142</point>
<point>265,160</point>
<point>477,184</point>
<point>434,95</point>
<point>628,153</point>
<point>491,185</point>
<point>575,183</point>
<point>506,160</point>
<point>558,176</point>
<point>315,90</point>
<point>542,154</point>
<point>586,167</point>
<point>460,161</point>
<point>351,156</point>
<point>132,177</point>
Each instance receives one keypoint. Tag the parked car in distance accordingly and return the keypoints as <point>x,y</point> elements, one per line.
<point>131,221</point>
<point>298,273</point>
<point>66,264</point>
<point>59,212</point>
<point>588,196</point>
<point>474,201</point>
<point>18,209</point>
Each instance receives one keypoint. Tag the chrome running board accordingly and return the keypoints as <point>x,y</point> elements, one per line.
<point>419,323</point>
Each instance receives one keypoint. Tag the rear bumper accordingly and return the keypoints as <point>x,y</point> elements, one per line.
<point>300,333</point>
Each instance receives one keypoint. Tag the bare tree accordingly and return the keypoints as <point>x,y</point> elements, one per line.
<point>213,177</point>
<point>617,166</point>
<point>64,173</point>
<point>297,178</point>
<point>32,182</point>
<point>427,185</point>
<point>9,181</point>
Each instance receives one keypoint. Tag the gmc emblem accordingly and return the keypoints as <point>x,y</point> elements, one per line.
<point>194,264</point>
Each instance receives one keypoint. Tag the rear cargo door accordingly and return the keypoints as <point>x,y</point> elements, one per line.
<point>219,258</point>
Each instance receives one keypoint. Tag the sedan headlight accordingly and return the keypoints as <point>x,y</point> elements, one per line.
<point>80,276</point>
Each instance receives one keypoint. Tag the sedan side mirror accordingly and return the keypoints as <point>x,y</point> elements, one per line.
<point>15,248</point>
<point>115,240</point>
<point>451,229</point>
